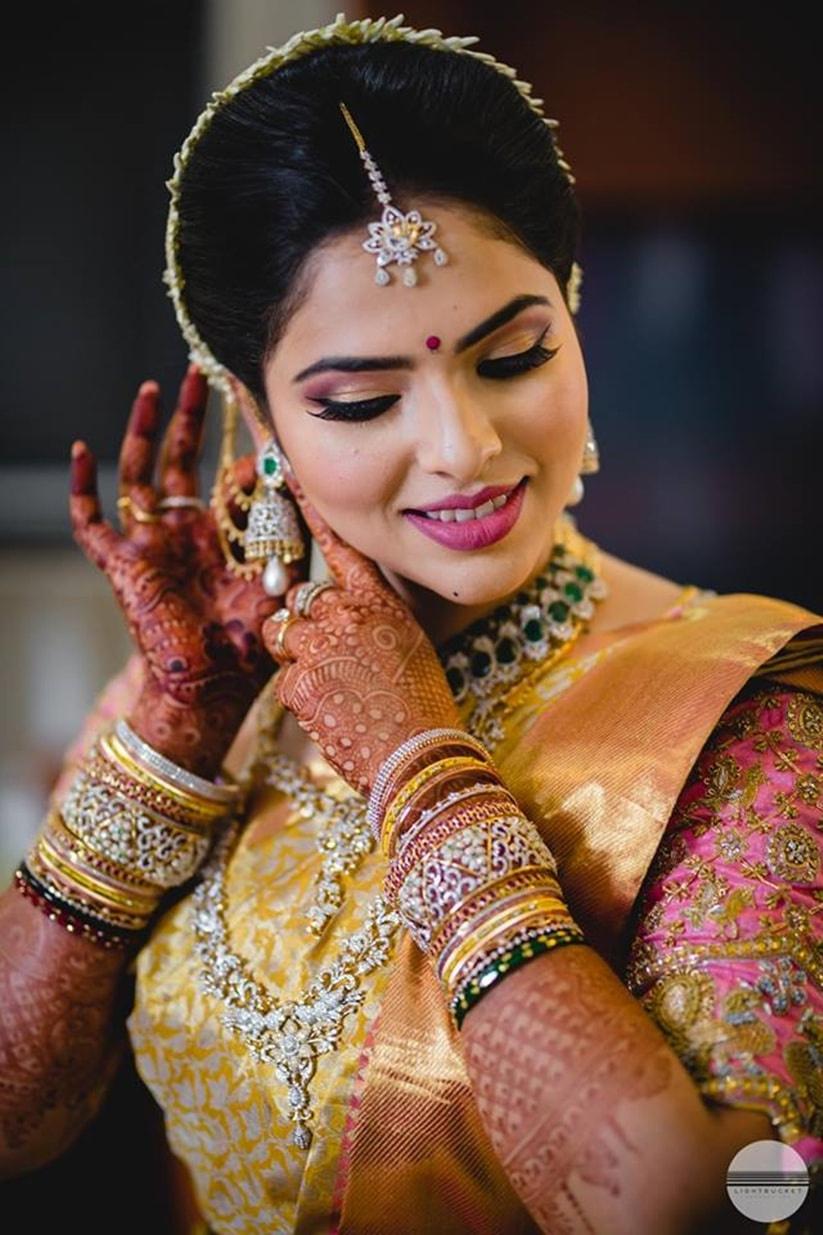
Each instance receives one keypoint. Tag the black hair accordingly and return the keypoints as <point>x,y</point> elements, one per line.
<point>278,172</point>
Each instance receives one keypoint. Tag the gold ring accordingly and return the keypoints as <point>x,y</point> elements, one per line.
<point>286,618</point>
<point>306,593</point>
<point>137,512</point>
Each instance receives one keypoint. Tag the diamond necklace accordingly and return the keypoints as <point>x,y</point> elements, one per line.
<point>502,649</point>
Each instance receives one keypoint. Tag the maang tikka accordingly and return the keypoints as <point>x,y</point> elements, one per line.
<point>271,538</point>
<point>397,237</point>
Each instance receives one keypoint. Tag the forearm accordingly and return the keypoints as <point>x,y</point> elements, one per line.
<point>61,1017</point>
<point>595,1119</point>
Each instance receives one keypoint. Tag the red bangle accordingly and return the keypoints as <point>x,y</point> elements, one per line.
<point>71,919</point>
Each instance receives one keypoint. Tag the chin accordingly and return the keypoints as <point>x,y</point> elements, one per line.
<point>482,580</point>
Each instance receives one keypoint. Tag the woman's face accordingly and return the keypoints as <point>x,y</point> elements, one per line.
<point>423,423</point>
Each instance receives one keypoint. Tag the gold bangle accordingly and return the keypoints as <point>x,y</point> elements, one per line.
<point>94,886</point>
<point>72,847</point>
<point>450,961</point>
<point>412,787</point>
<point>431,798</point>
<point>449,949</point>
<point>71,891</point>
<point>102,766</point>
<point>458,975</point>
<point>76,902</point>
<point>198,807</point>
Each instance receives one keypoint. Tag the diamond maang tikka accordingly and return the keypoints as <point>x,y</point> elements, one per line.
<point>397,237</point>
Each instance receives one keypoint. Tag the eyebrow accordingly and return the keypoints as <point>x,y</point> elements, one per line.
<point>365,364</point>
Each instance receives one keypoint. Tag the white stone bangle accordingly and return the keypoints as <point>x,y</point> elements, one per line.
<point>181,778</point>
<point>412,746</point>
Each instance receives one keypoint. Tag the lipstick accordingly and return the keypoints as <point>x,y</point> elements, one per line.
<point>474,533</point>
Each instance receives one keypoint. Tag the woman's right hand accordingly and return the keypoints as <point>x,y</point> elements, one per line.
<point>195,622</point>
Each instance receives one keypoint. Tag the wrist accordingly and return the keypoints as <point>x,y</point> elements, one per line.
<point>402,765</point>
<point>195,737</point>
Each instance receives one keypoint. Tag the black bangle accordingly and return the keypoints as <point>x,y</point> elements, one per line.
<point>76,920</point>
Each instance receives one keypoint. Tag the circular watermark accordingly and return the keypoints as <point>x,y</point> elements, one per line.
<point>767,1181</point>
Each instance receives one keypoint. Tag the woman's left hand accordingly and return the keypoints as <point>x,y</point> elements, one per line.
<point>360,674</point>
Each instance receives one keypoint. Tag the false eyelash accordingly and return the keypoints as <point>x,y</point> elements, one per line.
<point>504,367</point>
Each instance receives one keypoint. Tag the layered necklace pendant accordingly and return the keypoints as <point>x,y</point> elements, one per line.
<point>482,664</point>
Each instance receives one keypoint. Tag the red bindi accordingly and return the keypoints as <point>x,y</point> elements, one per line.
<point>432,343</point>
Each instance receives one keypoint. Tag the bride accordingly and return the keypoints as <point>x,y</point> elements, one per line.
<point>471,875</point>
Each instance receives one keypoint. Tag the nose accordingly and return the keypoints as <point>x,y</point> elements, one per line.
<point>456,437</point>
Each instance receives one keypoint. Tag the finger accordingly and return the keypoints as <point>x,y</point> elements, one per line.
<point>183,437</point>
<point>289,649</point>
<point>93,534</point>
<point>137,450</point>
<point>349,568</point>
<point>293,593</point>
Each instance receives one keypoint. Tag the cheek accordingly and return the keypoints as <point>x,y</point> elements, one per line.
<point>552,422</point>
<point>344,481</point>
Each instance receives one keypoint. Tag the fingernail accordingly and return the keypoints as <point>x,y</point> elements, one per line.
<point>148,388</point>
<point>78,448</point>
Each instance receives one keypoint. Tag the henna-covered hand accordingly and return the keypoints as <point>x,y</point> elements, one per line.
<point>361,675</point>
<point>196,623</point>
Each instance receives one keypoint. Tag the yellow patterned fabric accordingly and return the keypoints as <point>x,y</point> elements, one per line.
<point>601,780</point>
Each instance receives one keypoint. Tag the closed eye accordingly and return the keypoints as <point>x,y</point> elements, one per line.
<point>520,362</point>
<point>497,370</point>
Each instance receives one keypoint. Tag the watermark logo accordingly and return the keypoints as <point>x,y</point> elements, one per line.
<point>767,1181</point>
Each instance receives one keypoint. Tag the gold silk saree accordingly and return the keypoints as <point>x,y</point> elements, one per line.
<point>596,751</point>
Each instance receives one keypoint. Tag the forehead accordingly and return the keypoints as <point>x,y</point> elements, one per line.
<point>344,307</point>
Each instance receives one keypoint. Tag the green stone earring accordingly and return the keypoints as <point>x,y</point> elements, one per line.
<point>272,532</point>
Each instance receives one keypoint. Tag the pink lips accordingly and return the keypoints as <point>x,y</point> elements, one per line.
<point>474,533</point>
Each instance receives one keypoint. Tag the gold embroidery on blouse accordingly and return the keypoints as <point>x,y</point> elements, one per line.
<point>721,780</point>
<point>722,1042</point>
<point>792,855</point>
<point>805,721</point>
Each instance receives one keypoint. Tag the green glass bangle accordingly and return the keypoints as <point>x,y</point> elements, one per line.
<point>478,986</point>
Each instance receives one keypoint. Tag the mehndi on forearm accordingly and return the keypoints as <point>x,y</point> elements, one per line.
<point>596,1121</point>
<point>593,1116</point>
<point>62,1004</point>
<point>129,826</point>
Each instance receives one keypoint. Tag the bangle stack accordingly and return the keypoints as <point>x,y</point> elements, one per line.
<point>403,760</point>
<point>469,874</point>
<point>132,825</point>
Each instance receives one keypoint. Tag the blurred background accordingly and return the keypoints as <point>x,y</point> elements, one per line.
<point>694,133</point>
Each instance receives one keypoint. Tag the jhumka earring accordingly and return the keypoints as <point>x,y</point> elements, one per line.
<point>271,538</point>
<point>589,465</point>
<point>397,237</point>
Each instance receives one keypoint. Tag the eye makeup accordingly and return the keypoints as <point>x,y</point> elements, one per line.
<point>499,369</point>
